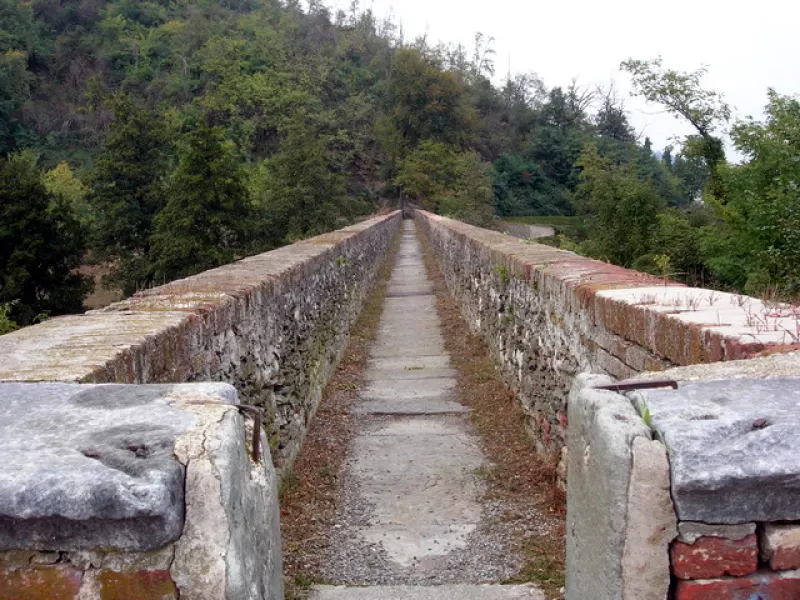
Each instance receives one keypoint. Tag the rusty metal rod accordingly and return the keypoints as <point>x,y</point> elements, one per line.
<point>258,416</point>
<point>627,386</point>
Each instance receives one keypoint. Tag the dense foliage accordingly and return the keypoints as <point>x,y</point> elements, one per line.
<point>164,137</point>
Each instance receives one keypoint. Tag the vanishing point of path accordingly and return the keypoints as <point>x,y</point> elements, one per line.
<point>412,524</point>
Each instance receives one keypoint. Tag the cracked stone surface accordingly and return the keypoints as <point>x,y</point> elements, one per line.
<point>733,448</point>
<point>413,508</point>
<point>92,466</point>
<point>139,478</point>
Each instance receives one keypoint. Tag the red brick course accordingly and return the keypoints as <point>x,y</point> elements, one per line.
<point>710,557</point>
<point>780,546</point>
<point>41,583</point>
<point>764,585</point>
<point>137,585</point>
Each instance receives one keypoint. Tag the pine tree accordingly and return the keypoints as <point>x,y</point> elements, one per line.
<point>127,191</point>
<point>41,245</point>
<point>206,220</point>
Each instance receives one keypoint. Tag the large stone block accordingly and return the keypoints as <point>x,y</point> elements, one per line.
<point>102,475</point>
<point>651,524</point>
<point>92,466</point>
<point>603,429</point>
<point>734,448</point>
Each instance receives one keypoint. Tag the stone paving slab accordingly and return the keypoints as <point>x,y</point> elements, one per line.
<point>411,371</point>
<point>414,389</point>
<point>441,592</point>
<point>419,476</point>
<point>427,406</point>
<point>413,364</point>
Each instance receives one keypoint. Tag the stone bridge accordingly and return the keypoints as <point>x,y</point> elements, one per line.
<point>142,445</point>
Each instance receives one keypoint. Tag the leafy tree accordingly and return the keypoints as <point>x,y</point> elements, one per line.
<point>206,220</point>
<point>692,174</point>
<point>624,205</point>
<point>470,198</point>
<point>760,243</point>
<point>520,188</point>
<point>19,47</point>
<point>425,102</point>
<point>302,194</point>
<point>612,120</point>
<point>447,181</point>
<point>677,238</point>
<point>6,324</point>
<point>127,190</point>
<point>681,94</point>
<point>41,245</point>
<point>61,181</point>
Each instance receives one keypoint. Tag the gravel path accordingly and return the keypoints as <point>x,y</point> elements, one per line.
<point>413,506</point>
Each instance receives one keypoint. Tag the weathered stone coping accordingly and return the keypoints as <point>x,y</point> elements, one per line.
<point>93,466</point>
<point>272,325</point>
<point>734,448</point>
<point>108,345</point>
<point>116,491</point>
<point>682,325</point>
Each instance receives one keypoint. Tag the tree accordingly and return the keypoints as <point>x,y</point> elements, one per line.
<point>444,180</point>
<point>520,188</point>
<point>206,220</point>
<point>625,207</point>
<point>762,215</point>
<point>682,95</point>
<point>127,190</point>
<point>611,119</point>
<point>41,246</point>
<point>425,103</point>
<point>18,44</point>
<point>303,194</point>
<point>61,181</point>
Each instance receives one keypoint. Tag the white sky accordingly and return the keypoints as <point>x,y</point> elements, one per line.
<point>747,46</point>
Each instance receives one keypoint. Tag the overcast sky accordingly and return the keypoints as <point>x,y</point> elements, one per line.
<point>747,46</point>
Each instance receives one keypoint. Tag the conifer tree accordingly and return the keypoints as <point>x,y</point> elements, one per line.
<point>206,220</point>
<point>127,191</point>
<point>41,245</point>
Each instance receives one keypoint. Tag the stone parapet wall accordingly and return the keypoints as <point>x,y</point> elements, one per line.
<point>549,314</point>
<point>525,231</point>
<point>273,325</point>
<point>692,493</point>
<point>119,492</point>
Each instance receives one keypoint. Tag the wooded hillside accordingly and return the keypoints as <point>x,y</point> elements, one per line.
<point>167,137</point>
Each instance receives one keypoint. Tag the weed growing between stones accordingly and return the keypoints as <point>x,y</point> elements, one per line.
<point>308,492</point>
<point>533,507</point>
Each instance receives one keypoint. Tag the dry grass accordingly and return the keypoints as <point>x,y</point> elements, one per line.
<point>308,493</point>
<point>518,477</point>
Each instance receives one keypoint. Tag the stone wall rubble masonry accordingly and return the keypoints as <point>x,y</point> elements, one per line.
<point>617,499</point>
<point>549,314</point>
<point>273,325</point>
<point>780,546</point>
<point>130,492</point>
<point>733,448</point>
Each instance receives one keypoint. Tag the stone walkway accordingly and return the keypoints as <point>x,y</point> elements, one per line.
<point>410,527</point>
